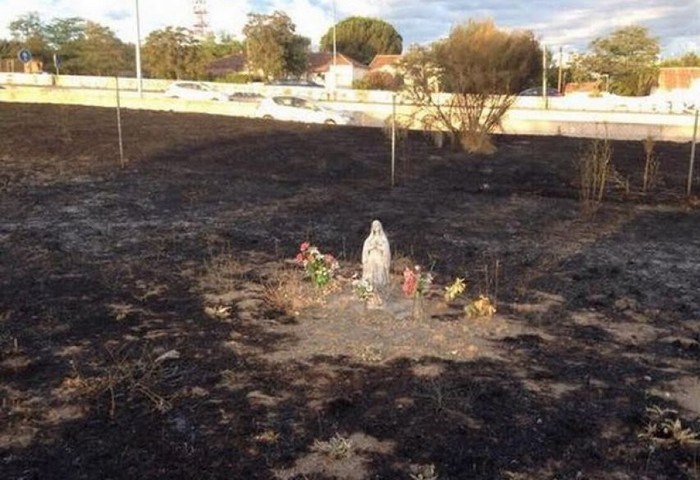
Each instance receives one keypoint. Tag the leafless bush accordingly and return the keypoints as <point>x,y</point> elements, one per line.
<point>128,377</point>
<point>651,165</point>
<point>618,180</point>
<point>593,170</point>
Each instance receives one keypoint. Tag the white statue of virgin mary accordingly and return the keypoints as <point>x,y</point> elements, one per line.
<point>376,256</point>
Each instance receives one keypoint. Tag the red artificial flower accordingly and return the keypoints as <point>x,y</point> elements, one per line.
<point>410,282</point>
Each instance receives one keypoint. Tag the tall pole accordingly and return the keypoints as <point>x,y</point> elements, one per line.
<point>119,124</point>
<point>561,58</point>
<point>544,74</point>
<point>692,153</point>
<point>335,74</point>
<point>393,139</point>
<point>139,81</point>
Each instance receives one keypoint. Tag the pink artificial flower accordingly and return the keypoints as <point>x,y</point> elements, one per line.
<point>329,259</point>
<point>304,246</point>
<point>299,258</point>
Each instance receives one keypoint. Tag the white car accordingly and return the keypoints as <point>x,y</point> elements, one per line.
<point>195,91</point>
<point>296,109</point>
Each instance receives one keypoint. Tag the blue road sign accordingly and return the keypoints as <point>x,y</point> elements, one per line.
<point>24,55</point>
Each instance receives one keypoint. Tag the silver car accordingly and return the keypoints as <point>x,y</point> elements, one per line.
<point>297,109</point>
<point>195,91</point>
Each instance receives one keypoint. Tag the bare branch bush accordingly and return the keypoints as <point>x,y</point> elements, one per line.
<point>651,165</point>
<point>128,378</point>
<point>594,167</point>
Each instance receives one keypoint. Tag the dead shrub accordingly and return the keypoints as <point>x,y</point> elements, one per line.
<point>618,180</point>
<point>482,306</point>
<point>664,428</point>
<point>651,165</point>
<point>477,142</point>
<point>337,446</point>
<point>129,377</point>
<point>593,170</point>
<point>287,291</point>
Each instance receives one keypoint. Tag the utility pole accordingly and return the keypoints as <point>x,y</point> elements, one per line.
<point>335,51</point>
<point>561,59</point>
<point>692,153</point>
<point>139,81</point>
<point>544,74</point>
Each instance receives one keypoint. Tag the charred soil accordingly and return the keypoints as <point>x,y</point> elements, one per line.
<point>153,325</point>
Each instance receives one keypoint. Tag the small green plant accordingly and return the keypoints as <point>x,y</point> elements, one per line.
<point>363,289</point>
<point>455,290</point>
<point>319,267</point>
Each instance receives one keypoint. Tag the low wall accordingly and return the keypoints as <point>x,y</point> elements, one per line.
<point>127,99</point>
<point>618,125</point>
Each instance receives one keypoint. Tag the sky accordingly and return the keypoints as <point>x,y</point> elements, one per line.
<point>569,24</point>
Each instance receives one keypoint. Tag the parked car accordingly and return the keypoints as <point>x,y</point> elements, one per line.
<point>195,91</point>
<point>297,109</point>
<point>295,83</point>
<point>537,92</point>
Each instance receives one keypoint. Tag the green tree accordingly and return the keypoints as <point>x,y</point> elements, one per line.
<point>482,67</point>
<point>213,47</point>
<point>62,36</point>
<point>64,31</point>
<point>172,53</point>
<point>362,38</point>
<point>628,57</point>
<point>273,47</point>
<point>100,52</point>
<point>477,57</point>
<point>30,31</point>
<point>9,48</point>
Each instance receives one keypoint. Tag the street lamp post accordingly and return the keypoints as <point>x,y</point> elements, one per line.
<point>139,82</point>
<point>335,73</point>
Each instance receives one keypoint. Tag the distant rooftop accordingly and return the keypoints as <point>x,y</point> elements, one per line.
<point>383,60</point>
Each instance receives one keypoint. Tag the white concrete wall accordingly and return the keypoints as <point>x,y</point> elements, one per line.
<point>584,116</point>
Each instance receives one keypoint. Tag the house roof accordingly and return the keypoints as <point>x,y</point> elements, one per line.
<point>318,62</point>
<point>322,61</point>
<point>382,60</point>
